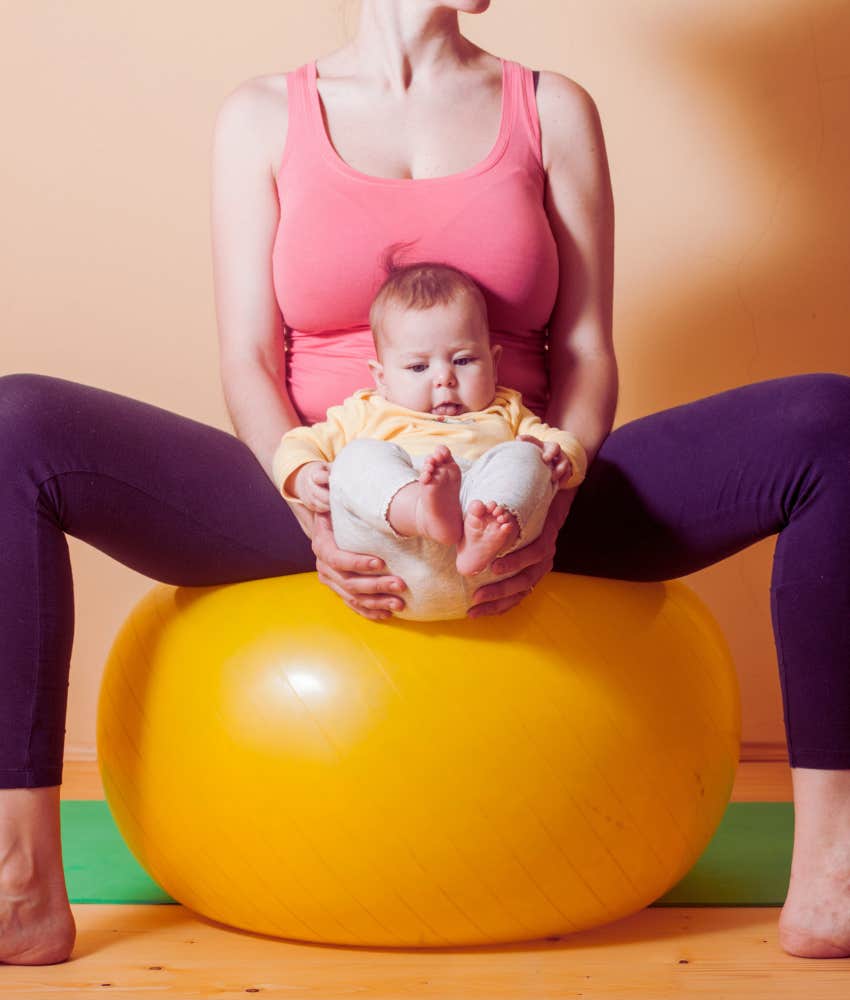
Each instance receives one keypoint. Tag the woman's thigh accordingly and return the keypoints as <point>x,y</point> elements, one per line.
<point>173,498</point>
<point>678,490</point>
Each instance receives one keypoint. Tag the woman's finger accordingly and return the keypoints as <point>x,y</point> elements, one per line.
<point>521,559</point>
<point>526,579</point>
<point>374,614</point>
<point>373,592</point>
<point>503,594</point>
<point>358,586</point>
<point>326,549</point>
<point>354,573</point>
<point>380,602</point>
<point>370,586</point>
<point>372,605</point>
<point>516,584</point>
<point>497,607</point>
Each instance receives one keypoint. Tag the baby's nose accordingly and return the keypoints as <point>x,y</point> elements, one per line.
<point>445,375</point>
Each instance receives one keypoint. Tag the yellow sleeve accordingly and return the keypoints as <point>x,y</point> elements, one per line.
<point>321,442</point>
<point>528,423</point>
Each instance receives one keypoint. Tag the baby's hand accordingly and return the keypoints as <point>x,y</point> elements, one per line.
<point>311,486</point>
<point>553,455</point>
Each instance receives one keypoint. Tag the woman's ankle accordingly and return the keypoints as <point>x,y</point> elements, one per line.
<point>821,796</point>
<point>821,819</point>
<point>30,835</point>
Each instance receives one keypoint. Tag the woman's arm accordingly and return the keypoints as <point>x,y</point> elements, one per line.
<point>259,408</point>
<point>579,204</point>
<point>244,216</point>
<point>244,219</point>
<point>582,367</point>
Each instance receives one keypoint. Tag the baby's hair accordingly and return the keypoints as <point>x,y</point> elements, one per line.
<point>420,285</point>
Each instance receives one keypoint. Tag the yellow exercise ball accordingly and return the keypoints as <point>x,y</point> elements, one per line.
<point>280,764</point>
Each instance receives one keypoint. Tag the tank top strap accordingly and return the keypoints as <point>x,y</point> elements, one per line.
<point>526,122</point>
<point>300,133</point>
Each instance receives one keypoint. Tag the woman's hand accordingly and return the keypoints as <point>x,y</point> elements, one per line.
<point>527,566</point>
<point>347,574</point>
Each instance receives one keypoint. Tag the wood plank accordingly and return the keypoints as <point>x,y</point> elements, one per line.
<point>81,780</point>
<point>128,951</point>
<point>763,781</point>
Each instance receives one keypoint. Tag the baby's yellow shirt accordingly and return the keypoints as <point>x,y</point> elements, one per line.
<point>366,414</point>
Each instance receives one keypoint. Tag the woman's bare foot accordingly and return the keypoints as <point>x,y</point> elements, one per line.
<point>430,508</point>
<point>815,920</point>
<point>487,530</point>
<point>36,923</point>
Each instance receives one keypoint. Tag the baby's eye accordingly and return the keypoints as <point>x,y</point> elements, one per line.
<point>418,367</point>
<point>464,361</point>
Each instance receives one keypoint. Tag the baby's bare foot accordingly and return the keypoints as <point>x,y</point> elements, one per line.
<point>438,513</point>
<point>487,530</point>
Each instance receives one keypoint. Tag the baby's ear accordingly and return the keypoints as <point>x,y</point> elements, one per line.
<point>377,370</point>
<point>496,353</point>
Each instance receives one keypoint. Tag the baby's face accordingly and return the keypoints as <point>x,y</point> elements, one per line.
<point>437,360</point>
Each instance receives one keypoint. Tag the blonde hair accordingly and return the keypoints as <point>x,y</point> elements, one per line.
<point>420,285</point>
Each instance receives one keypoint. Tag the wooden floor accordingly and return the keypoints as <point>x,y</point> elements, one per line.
<point>165,951</point>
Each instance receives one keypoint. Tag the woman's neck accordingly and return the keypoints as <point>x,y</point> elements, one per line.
<point>403,46</point>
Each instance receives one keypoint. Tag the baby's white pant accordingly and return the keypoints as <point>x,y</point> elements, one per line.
<point>368,473</point>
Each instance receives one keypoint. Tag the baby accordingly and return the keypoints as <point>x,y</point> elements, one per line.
<point>438,470</point>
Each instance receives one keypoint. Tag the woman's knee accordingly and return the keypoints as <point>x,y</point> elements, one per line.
<point>27,405</point>
<point>22,392</point>
<point>817,411</point>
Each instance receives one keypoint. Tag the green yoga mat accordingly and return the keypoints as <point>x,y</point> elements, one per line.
<point>747,863</point>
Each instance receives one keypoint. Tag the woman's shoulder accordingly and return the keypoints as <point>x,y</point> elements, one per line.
<point>567,112</point>
<point>258,107</point>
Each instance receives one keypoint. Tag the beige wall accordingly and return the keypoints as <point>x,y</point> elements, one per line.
<point>728,131</point>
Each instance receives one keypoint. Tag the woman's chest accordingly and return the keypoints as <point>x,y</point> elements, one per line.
<point>329,249</point>
<point>410,138</point>
<point>440,179</point>
<point>442,130</point>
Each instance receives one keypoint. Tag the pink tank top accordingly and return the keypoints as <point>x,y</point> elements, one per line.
<point>335,224</point>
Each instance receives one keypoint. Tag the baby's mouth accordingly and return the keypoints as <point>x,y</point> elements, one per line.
<point>447,409</point>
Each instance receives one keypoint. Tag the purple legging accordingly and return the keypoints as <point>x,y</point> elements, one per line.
<point>189,504</point>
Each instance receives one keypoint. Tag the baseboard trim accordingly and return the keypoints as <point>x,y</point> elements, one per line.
<point>764,753</point>
<point>750,752</point>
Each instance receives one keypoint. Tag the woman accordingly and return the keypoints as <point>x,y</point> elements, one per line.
<point>404,116</point>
